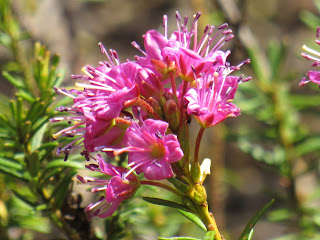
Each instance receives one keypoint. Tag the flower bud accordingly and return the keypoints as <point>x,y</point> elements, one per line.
<point>156,106</point>
<point>205,169</point>
<point>195,172</point>
<point>200,195</point>
<point>172,114</point>
<point>168,95</point>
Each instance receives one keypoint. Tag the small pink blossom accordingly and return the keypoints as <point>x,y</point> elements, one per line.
<point>313,76</point>
<point>108,90</point>
<point>151,150</point>
<point>181,54</point>
<point>121,186</point>
<point>211,101</point>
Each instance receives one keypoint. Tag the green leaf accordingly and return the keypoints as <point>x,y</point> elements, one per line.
<point>167,203</point>
<point>47,175</point>
<point>280,214</point>
<point>312,144</point>
<point>182,187</point>
<point>25,95</point>
<point>34,163</point>
<point>209,235</point>
<point>310,19</point>
<point>23,215</point>
<point>37,138</point>
<point>5,122</point>
<point>250,235</point>
<point>302,101</point>
<point>19,111</point>
<point>61,189</point>
<point>248,229</point>
<point>60,163</point>
<point>14,81</point>
<point>24,199</point>
<point>178,238</point>
<point>276,56</point>
<point>13,168</point>
<point>194,218</point>
<point>59,78</point>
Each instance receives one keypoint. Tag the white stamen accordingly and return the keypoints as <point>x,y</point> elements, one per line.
<point>310,50</point>
<point>105,88</point>
<point>84,70</point>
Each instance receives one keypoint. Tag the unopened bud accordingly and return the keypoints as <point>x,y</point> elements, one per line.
<point>195,172</point>
<point>156,106</point>
<point>168,96</point>
<point>205,169</point>
<point>200,195</point>
<point>172,114</point>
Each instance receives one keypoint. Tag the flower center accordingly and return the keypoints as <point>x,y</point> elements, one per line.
<point>157,150</point>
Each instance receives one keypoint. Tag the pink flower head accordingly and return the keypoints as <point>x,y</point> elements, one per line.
<point>151,150</point>
<point>102,134</point>
<point>181,53</point>
<point>121,186</point>
<point>109,90</point>
<point>211,101</point>
<point>313,76</point>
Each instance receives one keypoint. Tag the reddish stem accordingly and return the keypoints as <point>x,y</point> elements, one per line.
<point>197,147</point>
<point>162,185</point>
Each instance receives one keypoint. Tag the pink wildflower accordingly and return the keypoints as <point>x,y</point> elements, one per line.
<point>151,150</point>
<point>313,76</point>
<point>121,186</point>
<point>181,53</point>
<point>108,90</point>
<point>211,101</point>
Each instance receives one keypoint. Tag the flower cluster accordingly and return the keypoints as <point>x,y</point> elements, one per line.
<point>142,108</point>
<point>313,76</point>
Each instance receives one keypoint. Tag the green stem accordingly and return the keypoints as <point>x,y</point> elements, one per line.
<point>162,185</point>
<point>197,195</point>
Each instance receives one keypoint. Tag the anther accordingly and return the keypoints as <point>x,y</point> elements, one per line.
<point>178,17</point>
<point>223,26</point>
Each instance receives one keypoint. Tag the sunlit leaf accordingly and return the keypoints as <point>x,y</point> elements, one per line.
<point>209,235</point>
<point>194,218</point>
<point>246,232</point>
<point>167,203</point>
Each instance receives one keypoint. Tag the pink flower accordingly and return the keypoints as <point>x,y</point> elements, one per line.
<point>313,76</point>
<point>211,101</point>
<point>121,186</point>
<point>101,134</point>
<point>151,150</point>
<point>109,90</point>
<point>181,53</point>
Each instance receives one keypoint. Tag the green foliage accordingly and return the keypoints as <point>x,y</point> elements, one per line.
<point>194,218</point>
<point>38,180</point>
<point>310,19</point>
<point>166,203</point>
<point>248,231</point>
<point>277,136</point>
